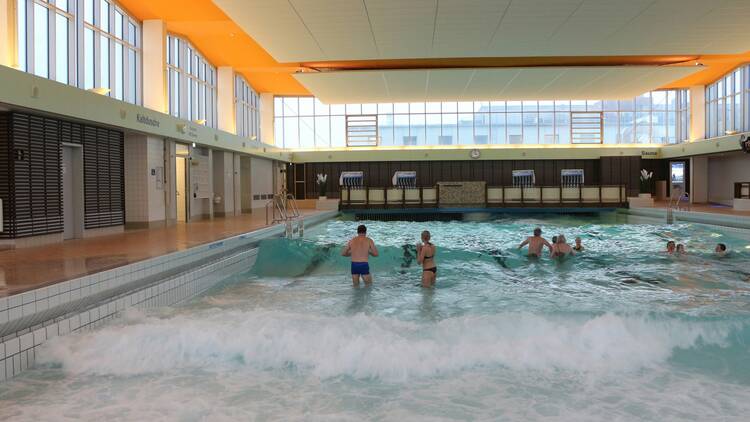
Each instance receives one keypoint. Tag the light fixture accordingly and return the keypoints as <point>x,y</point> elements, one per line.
<point>100,91</point>
<point>200,122</point>
<point>193,144</point>
<point>730,132</point>
<point>254,137</point>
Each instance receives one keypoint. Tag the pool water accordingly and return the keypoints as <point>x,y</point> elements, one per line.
<point>619,332</point>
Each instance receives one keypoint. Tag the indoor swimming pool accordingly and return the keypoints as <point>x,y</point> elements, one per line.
<point>621,331</point>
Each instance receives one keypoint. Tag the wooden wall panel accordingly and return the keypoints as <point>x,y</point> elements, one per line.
<point>31,181</point>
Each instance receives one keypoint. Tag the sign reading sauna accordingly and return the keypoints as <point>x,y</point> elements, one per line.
<point>147,120</point>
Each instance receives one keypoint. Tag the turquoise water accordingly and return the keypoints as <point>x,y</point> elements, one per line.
<point>620,332</point>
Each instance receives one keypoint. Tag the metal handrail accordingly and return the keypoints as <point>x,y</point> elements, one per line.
<point>281,208</point>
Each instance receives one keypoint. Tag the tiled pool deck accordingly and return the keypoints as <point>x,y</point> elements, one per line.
<point>25,269</point>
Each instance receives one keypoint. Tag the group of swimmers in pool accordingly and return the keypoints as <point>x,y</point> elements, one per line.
<point>559,247</point>
<point>679,249</point>
<point>361,247</point>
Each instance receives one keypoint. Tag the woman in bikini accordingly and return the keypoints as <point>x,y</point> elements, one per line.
<point>426,257</point>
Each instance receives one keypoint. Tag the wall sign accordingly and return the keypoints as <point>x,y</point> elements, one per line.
<point>19,154</point>
<point>145,120</point>
<point>475,154</point>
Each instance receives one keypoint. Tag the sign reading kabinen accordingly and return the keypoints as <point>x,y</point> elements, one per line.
<point>147,120</point>
<point>745,143</point>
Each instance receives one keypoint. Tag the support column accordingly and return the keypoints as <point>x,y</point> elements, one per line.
<point>699,180</point>
<point>237,184</point>
<point>225,99</point>
<point>155,65</point>
<point>145,200</point>
<point>8,48</point>
<point>223,180</point>
<point>266,119</point>
<point>697,112</point>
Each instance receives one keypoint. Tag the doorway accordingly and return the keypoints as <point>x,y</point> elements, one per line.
<point>72,181</point>
<point>677,178</point>
<point>182,179</point>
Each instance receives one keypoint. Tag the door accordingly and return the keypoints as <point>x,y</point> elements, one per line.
<point>72,192</point>
<point>181,188</point>
<point>676,178</point>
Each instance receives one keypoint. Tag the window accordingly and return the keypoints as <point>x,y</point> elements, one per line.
<point>46,37</point>
<point>96,48</point>
<point>728,103</point>
<point>654,117</point>
<point>247,109</point>
<point>191,83</point>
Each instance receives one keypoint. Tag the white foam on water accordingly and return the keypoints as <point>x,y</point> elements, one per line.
<point>365,347</point>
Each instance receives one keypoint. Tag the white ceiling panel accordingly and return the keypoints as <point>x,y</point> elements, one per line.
<point>537,83</point>
<point>321,30</point>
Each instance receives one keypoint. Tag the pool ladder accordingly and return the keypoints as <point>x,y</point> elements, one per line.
<point>282,208</point>
<point>675,206</point>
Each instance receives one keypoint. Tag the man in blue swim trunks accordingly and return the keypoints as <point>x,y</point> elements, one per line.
<point>360,248</point>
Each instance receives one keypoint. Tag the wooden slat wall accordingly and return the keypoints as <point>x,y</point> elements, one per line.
<point>32,187</point>
<point>37,196</point>
<point>6,176</point>
<point>494,172</point>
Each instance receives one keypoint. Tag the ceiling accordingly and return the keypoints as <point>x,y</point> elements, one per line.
<point>320,30</point>
<point>535,83</point>
<point>245,34</point>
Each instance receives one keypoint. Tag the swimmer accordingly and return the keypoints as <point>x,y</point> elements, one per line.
<point>554,240</point>
<point>536,243</point>
<point>670,247</point>
<point>561,248</point>
<point>720,250</point>
<point>681,249</point>
<point>359,249</point>
<point>426,257</point>
<point>578,247</point>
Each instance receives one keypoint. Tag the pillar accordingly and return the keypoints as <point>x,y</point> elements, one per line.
<point>8,33</point>
<point>266,119</point>
<point>699,179</point>
<point>145,187</point>
<point>225,99</point>
<point>697,112</point>
<point>155,65</point>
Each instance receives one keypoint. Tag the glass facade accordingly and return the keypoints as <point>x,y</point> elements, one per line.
<point>84,43</point>
<point>247,109</point>
<point>728,103</point>
<point>660,117</point>
<point>191,83</point>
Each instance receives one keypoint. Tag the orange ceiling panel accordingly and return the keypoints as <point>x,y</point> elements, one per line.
<point>221,41</point>
<point>224,43</point>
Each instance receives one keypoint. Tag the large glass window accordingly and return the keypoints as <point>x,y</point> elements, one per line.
<point>85,43</point>
<point>247,109</point>
<point>191,83</point>
<point>46,38</point>
<point>728,103</point>
<point>654,117</point>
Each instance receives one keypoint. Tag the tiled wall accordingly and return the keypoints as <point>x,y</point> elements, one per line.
<point>29,319</point>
